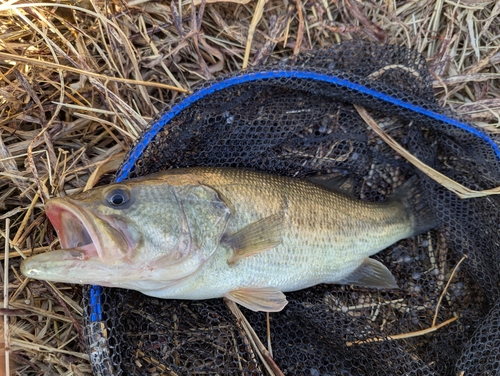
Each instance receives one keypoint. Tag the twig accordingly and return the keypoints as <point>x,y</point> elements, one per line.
<point>6,296</point>
<point>268,322</point>
<point>261,350</point>
<point>14,312</point>
<point>422,332</point>
<point>404,335</point>
<point>446,289</point>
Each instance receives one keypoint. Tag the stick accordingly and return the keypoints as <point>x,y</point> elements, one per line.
<point>446,288</point>
<point>6,296</point>
<point>404,335</point>
<point>262,352</point>
<point>268,322</point>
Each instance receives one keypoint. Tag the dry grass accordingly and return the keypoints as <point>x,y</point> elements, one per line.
<point>80,80</point>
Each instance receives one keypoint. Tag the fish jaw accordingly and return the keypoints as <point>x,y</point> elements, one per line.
<point>94,249</point>
<point>81,230</point>
<point>76,266</point>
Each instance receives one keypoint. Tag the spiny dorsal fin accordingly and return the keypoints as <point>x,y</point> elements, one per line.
<point>371,273</point>
<point>260,236</point>
<point>334,182</point>
<point>266,299</point>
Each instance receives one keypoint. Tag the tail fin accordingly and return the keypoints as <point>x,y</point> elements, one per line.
<point>412,196</point>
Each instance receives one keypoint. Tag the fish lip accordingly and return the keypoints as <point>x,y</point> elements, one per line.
<point>66,217</point>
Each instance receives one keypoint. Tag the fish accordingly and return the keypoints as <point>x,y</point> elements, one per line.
<point>202,233</point>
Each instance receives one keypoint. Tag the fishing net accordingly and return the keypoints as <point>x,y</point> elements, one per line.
<point>297,118</point>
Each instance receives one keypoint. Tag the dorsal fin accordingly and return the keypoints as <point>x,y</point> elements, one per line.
<point>334,182</point>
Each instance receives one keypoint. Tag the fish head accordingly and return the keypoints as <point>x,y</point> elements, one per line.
<point>138,234</point>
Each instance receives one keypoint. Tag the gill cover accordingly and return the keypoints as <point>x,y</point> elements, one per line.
<point>204,215</point>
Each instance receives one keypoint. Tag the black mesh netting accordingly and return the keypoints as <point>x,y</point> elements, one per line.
<point>292,123</point>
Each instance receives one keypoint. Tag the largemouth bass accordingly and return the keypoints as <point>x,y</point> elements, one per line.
<point>202,233</point>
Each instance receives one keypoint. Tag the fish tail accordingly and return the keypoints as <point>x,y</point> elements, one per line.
<point>413,198</point>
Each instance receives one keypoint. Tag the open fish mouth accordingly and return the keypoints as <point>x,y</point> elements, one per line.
<point>78,260</point>
<point>75,230</point>
<point>90,246</point>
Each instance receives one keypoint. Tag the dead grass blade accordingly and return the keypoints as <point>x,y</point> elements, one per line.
<point>48,64</point>
<point>4,358</point>
<point>257,15</point>
<point>110,164</point>
<point>459,189</point>
<point>261,350</point>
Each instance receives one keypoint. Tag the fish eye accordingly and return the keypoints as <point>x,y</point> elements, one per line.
<point>118,197</point>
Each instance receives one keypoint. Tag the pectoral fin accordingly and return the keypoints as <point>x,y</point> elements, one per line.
<point>267,299</point>
<point>371,273</point>
<point>254,238</point>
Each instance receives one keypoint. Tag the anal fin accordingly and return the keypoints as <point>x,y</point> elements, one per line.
<point>371,273</point>
<point>260,236</point>
<point>266,299</point>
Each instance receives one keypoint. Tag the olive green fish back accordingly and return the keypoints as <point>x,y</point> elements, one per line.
<point>297,118</point>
